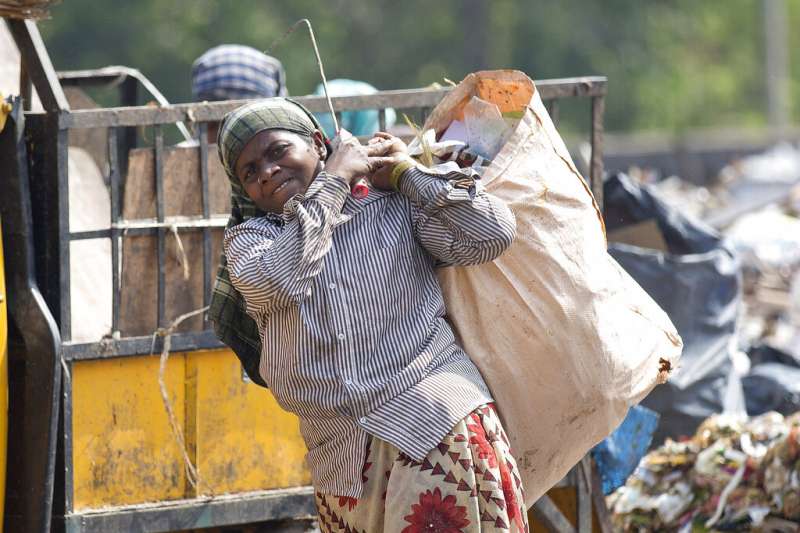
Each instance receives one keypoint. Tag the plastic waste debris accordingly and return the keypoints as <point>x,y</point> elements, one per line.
<point>471,142</point>
<point>732,475</point>
<point>767,240</point>
<point>781,163</point>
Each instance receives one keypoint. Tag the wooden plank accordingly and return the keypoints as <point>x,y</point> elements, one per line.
<point>644,234</point>
<point>602,516</point>
<point>566,499</point>
<point>596,162</point>
<point>182,197</point>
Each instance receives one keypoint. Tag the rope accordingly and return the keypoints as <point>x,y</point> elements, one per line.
<point>183,259</point>
<point>191,470</point>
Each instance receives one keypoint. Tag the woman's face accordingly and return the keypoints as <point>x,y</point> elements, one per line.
<point>276,165</point>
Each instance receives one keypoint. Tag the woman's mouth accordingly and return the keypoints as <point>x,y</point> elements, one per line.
<point>282,186</point>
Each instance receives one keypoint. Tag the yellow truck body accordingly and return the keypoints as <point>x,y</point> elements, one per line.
<point>125,451</point>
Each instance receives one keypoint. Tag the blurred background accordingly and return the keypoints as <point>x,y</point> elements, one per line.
<point>673,65</point>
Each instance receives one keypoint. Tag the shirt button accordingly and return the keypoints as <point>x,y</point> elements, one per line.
<point>340,336</point>
<point>362,420</point>
<point>332,286</point>
<point>348,382</point>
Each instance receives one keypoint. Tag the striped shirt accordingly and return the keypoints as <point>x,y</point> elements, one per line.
<point>351,314</point>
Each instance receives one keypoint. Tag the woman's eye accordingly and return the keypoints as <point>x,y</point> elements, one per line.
<point>249,174</point>
<point>277,151</point>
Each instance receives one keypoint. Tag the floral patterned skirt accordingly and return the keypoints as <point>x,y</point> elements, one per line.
<point>468,483</point>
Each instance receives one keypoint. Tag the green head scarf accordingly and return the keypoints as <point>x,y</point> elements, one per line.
<point>228,312</point>
<point>244,123</point>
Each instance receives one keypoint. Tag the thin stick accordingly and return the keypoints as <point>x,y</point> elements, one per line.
<point>291,30</point>
<point>192,473</point>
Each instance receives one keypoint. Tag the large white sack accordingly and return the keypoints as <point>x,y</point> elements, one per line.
<point>90,260</point>
<point>565,339</point>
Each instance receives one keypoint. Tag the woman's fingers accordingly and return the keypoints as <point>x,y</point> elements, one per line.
<point>380,147</point>
<point>383,138</point>
<point>378,162</point>
<point>351,158</point>
<point>392,144</point>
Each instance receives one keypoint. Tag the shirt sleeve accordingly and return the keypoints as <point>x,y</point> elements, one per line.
<point>272,266</point>
<point>455,219</point>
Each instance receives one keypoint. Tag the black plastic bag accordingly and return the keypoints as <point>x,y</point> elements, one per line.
<point>773,383</point>
<point>696,279</point>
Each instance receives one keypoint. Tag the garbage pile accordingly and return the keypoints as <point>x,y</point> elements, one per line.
<point>768,245</point>
<point>724,262</point>
<point>733,475</point>
<point>761,217</point>
<point>763,226</point>
<point>742,187</point>
<point>754,210</point>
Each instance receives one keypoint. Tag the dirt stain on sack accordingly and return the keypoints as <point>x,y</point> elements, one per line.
<point>527,461</point>
<point>664,370</point>
<point>583,414</point>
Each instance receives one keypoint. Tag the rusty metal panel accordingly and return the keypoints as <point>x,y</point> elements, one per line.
<point>123,448</point>
<point>244,440</point>
<point>186,516</point>
<point>124,451</point>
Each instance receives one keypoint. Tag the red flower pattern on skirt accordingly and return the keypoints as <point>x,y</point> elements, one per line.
<point>436,515</point>
<point>467,483</point>
<point>486,451</point>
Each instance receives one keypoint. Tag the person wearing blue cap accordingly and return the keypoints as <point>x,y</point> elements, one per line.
<point>235,72</point>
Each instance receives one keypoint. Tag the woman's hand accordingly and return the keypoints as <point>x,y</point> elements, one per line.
<point>394,152</point>
<point>350,159</point>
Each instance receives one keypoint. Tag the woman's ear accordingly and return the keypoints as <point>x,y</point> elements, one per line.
<point>321,145</point>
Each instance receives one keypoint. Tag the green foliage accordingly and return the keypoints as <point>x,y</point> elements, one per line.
<point>672,64</point>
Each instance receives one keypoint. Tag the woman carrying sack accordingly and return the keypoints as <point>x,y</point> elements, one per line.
<point>401,429</point>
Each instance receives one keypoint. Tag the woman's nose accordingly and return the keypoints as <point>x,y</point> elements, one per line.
<point>266,170</point>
